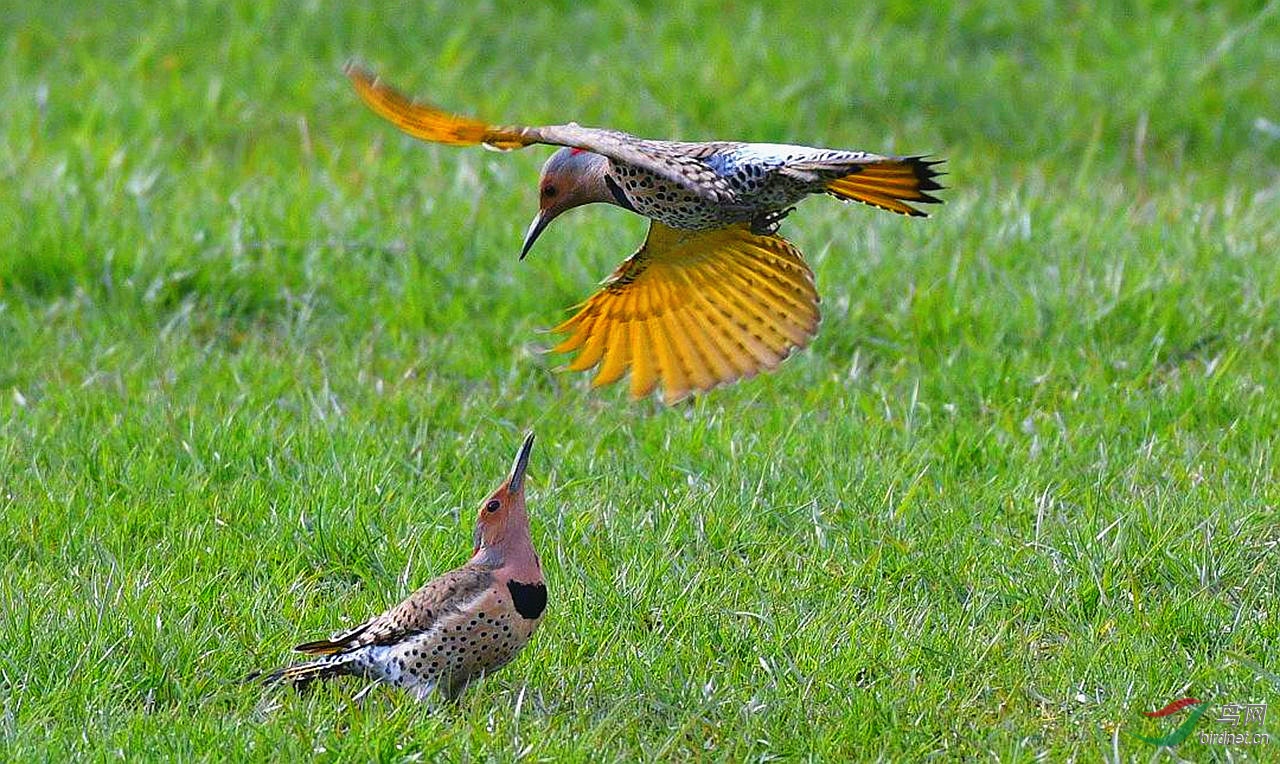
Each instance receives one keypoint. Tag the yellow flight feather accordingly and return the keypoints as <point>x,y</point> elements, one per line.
<point>617,356</point>
<point>427,122</point>
<point>644,373</point>
<point>693,310</point>
<point>675,382</point>
<point>706,365</point>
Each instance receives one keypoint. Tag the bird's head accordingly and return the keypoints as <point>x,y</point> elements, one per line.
<point>503,519</point>
<point>570,178</point>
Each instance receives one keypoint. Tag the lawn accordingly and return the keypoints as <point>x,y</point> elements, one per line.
<point>261,357</point>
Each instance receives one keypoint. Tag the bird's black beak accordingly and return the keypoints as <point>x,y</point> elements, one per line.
<point>536,228</point>
<point>515,483</point>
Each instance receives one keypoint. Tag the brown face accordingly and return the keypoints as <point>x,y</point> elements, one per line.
<point>549,193</point>
<point>552,199</point>
<point>491,525</point>
<point>565,183</point>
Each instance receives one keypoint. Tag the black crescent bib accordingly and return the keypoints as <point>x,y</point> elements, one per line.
<point>530,599</point>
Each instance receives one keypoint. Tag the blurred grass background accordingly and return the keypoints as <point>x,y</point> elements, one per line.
<point>260,356</point>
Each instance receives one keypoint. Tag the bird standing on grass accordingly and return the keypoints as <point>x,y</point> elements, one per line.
<point>466,623</point>
<point>713,294</point>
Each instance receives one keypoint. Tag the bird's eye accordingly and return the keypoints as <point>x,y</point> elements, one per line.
<point>492,506</point>
<point>548,191</point>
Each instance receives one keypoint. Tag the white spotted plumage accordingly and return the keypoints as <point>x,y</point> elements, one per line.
<point>762,178</point>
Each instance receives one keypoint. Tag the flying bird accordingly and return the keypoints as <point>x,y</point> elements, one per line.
<point>714,294</point>
<point>466,623</point>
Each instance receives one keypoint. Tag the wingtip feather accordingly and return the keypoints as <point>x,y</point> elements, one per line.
<point>424,121</point>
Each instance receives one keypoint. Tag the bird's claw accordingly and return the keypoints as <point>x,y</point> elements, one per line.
<point>768,223</point>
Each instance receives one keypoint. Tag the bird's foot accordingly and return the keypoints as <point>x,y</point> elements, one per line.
<point>768,223</point>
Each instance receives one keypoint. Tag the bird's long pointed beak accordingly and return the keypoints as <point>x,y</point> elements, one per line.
<point>515,483</point>
<point>535,230</point>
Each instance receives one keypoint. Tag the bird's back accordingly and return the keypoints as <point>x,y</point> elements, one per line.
<point>746,180</point>
<point>418,612</point>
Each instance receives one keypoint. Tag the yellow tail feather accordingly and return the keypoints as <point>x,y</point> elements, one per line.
<point>890,184</point>
<point>320,647</point>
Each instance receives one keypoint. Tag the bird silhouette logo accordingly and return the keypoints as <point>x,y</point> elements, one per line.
<point>1183,730</point>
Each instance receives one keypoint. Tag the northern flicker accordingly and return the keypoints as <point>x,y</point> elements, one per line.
<point>466,623</point>
<point>714,294</point>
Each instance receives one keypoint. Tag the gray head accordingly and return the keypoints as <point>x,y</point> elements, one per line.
<point>570,178</point>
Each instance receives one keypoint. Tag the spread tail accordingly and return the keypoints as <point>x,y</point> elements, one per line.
<point>890,184</point>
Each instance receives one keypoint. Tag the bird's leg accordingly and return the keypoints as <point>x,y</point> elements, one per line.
<point>767,223</point>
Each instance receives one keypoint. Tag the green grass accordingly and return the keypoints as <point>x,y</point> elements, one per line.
<point>261,356</point>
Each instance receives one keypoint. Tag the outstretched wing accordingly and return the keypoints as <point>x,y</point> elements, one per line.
<point>676,162</point>
<point>440,597</point>
<point>695,309</point>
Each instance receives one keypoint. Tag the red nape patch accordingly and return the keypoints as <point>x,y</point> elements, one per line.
<point>573,152</point>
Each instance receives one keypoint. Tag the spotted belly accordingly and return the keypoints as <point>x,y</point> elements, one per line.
<point>448,656</point>
<point>478,639</point>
